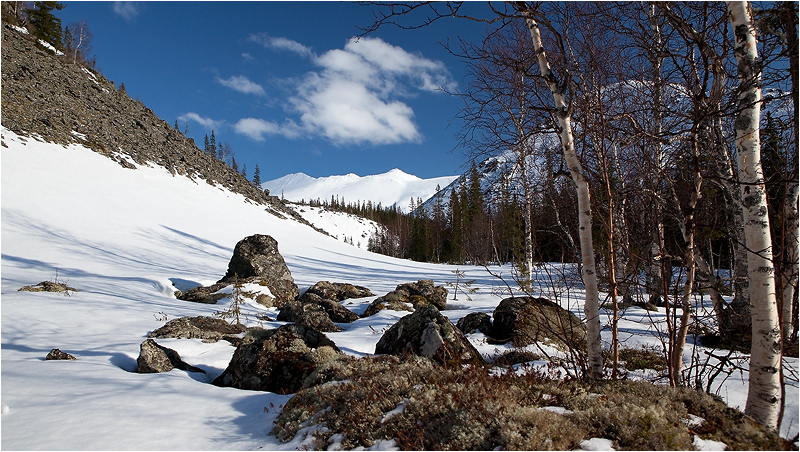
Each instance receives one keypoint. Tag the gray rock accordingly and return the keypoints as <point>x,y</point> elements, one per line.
<point>154,358</point>
<point>475,321</point>
<point>204,294</point>
<point>209,329</point>
<point>428,333</point>
<point>279,360</point>
<point>308,315</point>
<point>410,296</point>
<point>336,291</point>
<point>525,320</point>
<point>333,308</point>
<point>56,355</point>
<point>257,256</point>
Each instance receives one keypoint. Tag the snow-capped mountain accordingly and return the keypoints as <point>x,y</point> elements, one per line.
<point>392,187</point>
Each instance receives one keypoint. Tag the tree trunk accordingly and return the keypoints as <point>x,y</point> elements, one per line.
<point>764,392</point>
<point>791,271</point>
<point>563,113</point>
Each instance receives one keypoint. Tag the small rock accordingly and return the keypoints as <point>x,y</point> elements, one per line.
<point>154,358</point>
<point>56,354</point>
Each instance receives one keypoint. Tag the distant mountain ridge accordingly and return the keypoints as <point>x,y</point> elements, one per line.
<point>391,187</point>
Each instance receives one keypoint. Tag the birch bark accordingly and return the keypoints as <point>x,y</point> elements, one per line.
<point>563,114</point>
<point>764,392</point>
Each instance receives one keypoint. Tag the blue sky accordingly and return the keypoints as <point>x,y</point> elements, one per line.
<point>284,83</point>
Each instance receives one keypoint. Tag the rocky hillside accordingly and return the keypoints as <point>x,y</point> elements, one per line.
<point>66,103</point>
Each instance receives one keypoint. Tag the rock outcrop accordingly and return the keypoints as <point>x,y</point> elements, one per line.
<point>336,291</point>
<point>278,361</point>
<point>428,333</point>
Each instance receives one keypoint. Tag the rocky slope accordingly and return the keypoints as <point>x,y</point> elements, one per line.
<point>61,102</point>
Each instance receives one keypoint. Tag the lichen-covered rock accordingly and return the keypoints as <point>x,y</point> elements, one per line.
<point>525,320</point>
<point>336,291</point>
<point>425,288</point>
<point>475,321</point>
<point>154,358</point>
<point>204,294</point>
<point>333,308</point>
<point>258,256</point>
<point>428,333</point>
<point>308,315</point>
<point>209,329</point>
<point>279,360</point>
<point>57,355</point>
<point>410,296</point>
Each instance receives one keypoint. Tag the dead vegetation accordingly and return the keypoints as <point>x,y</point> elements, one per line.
<point>423,406</point>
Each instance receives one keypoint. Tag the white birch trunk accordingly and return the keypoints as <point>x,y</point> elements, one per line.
<point>591,306</point>
<point>791,270</point>
<point>764,392</point>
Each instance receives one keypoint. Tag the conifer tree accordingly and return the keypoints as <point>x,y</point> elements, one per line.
<point>257,177</point>
<point>47,27</point>
<point>244,170</point>
<point>234,165</point>
<point>212,144</point>
<point>205,144</point>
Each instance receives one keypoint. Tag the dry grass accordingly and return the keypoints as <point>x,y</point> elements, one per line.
<point>424,406</point>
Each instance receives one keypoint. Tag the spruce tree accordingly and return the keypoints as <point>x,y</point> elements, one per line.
<point>257,177</point>
<point>244,170</point>
<point>205,144</point>
<point>234,165</point>
<point>212,144</point>
<point>47,27</point>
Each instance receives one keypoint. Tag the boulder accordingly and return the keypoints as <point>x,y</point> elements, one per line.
<point>475,321</point>
<point>525,320</point>
<point>333,308</point>
<point>209,329</point>
<point>279,360</point>
<point>48,286</point>
<point>204,294</point>
<point>428,333</point>
<point>154,358</point>
<point>410,296</point>
<point>308,315</point>
<point>435,295</point>
<point>257,256</point>
<point>56,355</point>
<point>336,291</point>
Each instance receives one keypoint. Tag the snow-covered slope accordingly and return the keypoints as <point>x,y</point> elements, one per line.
<point>348,228</point>
<point>127,239</point>
<point>393,187</point>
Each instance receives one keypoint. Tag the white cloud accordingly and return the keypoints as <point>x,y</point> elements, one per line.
<point>127,10</point>
<point>242,84</point>
<point>256,128</point>
<point>206,122</point>
<point>355,95</point>
<point>285,44</point>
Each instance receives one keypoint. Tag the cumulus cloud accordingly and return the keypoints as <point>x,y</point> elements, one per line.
<point>355,95</point>
<point>126,10</point>
<point>284,44</point>
<point>206,122</point>
<point>242,84</point>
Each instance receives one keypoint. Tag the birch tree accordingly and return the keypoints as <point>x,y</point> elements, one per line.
<point>764,391</point>
<point>563,113</point>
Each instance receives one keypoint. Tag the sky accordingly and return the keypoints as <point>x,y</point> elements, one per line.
<point>285,83</point>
